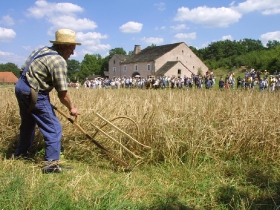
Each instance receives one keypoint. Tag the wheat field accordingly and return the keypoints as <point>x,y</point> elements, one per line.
<point>195,149</point>
<point>179,126</point>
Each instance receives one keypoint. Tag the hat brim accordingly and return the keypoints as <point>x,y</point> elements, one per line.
<point>56,42</point>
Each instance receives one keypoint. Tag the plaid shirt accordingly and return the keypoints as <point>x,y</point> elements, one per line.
<point>47,72</point>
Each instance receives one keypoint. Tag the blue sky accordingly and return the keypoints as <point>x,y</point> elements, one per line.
<point>107,24</point>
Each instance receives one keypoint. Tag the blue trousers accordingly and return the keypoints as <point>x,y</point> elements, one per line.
<point>43,115</point>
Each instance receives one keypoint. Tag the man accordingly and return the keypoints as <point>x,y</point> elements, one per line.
<point>221,83</point>
<point>45,69</point>
<point>239,82</point>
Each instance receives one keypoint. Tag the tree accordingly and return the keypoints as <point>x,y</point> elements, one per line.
<point>130,52</point>
<point>73,67</point>
<point>252,45</point>
<point>194,50</point>
<point>92,64</point>
<point>245,52</point>
<point>272,44</point>
<point>152,45</point>
<point>105,65</point>
<point>215,51</point>
<point>274,65</point>
<point>118,50</point>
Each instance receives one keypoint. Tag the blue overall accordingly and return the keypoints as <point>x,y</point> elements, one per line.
<point>42,114</point>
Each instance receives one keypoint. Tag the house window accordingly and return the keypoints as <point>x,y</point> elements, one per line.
<point>183,52</point>
<point>193,67</point>
<point>124,68</point>
<point>148,67</point>
<point>114,61</point>
<point>136,67</point>
<point>179,71</point>
<point>114,69</point>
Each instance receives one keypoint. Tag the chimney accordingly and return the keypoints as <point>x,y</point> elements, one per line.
<point>137,49</point>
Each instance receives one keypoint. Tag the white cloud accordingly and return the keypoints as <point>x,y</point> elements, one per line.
<point>232,3</point>
<point>28,48</point>
<point>8,57</point>
<point>70,22</point>
<point>271,11</point>
<point>131,27</point>
<point>152,40</point>
<point>209,17</point>
<point>92,49</point>
<point>270,36</point>
<point>60,15</point>
<point>179,27</point>
<point>43,8</point>
<point>227,37</point>
<point>7,20</point>
<point>6,53</point>
<point>203,45</point>
<point>90,38</point>
<point>224,16</point>
<point>267,7</point>
<point>160,28</point>
<point>7,34</point>
<point>84,52</point>
<point>182,36</point>
<point>99,47</point>
<point>92,42</point>
<point>160,6</point>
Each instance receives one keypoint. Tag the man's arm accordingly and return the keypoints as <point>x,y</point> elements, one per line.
<point>65,100</point>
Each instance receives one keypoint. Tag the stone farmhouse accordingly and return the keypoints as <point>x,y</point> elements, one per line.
<point>167,60</point>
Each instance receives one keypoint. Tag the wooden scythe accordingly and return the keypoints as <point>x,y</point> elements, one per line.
<point>106,151</point>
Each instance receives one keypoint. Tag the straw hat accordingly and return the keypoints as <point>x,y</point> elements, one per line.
<point>65,36</point>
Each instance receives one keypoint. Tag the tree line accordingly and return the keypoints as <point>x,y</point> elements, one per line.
<point>251,53</point>
<point>224,54</point>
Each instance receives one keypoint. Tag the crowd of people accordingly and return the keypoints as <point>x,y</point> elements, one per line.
<point>252,80</point>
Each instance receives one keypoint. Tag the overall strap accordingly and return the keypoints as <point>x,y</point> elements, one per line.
<point>48,53</point>
<point>34,93</point>
<point>35,57</point>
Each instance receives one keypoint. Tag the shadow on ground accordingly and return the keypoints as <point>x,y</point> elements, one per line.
<point>266,196</point>
<point>10,144</point>
<point>170,202</point>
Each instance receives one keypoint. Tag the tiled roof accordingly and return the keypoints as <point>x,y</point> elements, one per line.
<point>168,65</point>
<point>8,77</point>
<point>150,53</point>
<point>122,57</point>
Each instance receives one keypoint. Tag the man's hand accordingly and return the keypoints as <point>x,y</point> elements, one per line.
<point>74,112</point>
<point>65,99</point>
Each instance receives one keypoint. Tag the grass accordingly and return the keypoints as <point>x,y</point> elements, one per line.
<point>226,186</point>
<point>210,150</point>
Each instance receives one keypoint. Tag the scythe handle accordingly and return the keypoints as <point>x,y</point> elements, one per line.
<point>89,137</point>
